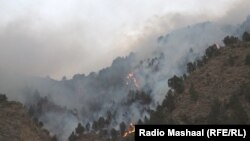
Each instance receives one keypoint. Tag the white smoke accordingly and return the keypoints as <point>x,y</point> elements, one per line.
<point>92,96</point>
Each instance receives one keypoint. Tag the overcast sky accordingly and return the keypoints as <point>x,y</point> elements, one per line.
<point>65,37</point>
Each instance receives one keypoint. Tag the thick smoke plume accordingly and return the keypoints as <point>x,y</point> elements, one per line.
<point>86,98</point>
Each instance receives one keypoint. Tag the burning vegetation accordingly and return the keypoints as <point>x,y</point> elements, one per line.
<point>131,80</point>
<point>130,130</point>
<point>106,124</point>
<point>152,90</point>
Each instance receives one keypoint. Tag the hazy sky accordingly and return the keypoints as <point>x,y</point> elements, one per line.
<point>65,37</point>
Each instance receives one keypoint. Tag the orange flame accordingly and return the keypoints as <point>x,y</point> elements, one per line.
<point>131,77</point>
<point>131,129</point>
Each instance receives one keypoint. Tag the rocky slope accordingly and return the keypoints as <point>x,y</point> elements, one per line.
<point>217,90</point>
<point>16,124</point>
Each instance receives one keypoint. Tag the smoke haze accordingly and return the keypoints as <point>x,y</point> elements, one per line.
<point>58,38</point>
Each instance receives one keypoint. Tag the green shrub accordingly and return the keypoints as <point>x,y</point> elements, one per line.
<point>79,129</point>
<point>122,127</point>
<point>193,93</point>
<point>3,98</point>
<point>246,37</point>
<point>230,40</point>
<point>72,137</point>
<point>191,67</point>
<point>113,133</point>
<point>176,83</point>
<point>212,51</point>
<point>168,102</point>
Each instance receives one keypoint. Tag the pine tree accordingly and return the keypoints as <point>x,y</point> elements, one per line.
<point>80,129</point>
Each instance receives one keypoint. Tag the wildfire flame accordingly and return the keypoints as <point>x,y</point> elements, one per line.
<point>131,129</point>
<point>131,77</point>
